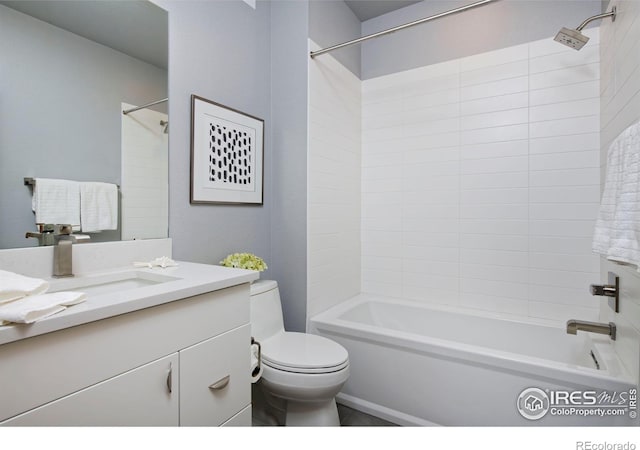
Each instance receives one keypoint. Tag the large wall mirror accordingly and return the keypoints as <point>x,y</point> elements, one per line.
<point>67,70</point>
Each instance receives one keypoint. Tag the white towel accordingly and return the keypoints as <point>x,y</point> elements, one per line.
<point>14,286</point>
<point>609,200</point>
<point>36,307</point>
<point>98,206</point>
<point>625,237</point>
<point>56,201</point>
<point>617,234</point>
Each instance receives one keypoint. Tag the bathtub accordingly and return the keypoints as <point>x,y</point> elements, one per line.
<point>413,364</point>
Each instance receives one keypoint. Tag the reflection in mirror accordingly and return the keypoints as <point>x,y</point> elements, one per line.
<point>67,69</point>
<point>145,185</point>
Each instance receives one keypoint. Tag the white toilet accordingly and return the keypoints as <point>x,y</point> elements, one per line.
<point>304,369</point>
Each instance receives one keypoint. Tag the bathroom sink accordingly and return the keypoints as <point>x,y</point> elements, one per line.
<point>110,282</point>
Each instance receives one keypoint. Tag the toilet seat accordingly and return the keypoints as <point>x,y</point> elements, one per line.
<point>303,353</point>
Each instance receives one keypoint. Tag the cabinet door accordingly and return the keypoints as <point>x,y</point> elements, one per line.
<point>215,382</point>
<point>144,396</point>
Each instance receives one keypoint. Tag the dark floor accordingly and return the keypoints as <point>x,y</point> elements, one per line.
<point>349,417</point>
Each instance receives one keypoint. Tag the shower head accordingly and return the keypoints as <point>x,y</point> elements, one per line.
<point>571,38</point>
<point>574,38</point>
<point>165,124</point>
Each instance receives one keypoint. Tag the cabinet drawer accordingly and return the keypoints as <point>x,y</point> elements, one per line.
<point>214,378</point>
<point>140,397</point>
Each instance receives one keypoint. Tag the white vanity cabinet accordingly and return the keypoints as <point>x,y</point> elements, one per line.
<point>184,362</point>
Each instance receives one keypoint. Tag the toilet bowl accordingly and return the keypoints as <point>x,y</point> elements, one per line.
<point>305,370</point>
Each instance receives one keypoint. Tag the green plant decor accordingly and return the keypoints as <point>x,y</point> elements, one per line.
<point>247,261</point>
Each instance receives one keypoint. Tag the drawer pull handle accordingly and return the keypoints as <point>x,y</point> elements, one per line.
<point>169,377</point>
<point>220,384</point>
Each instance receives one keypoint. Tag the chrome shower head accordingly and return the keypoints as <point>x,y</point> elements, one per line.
<point>571,38</point>
<point>165,124</point>
<point>574,38</point>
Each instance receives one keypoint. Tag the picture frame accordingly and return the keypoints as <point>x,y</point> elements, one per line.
<point>227,153</point>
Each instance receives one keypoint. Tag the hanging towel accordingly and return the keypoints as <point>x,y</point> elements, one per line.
<point>36,307</point>
<point>617,234</point>
<point>609,200</point>
<point>625,236</point>
<point>98,206</point>
<point>56,201</point>
<point>14,286</point>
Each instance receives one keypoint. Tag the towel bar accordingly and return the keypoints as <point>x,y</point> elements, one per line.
<point>29,181</point>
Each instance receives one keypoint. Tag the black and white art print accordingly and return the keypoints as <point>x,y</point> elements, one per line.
<point>226,154</point>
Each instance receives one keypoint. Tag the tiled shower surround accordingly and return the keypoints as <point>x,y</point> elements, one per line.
<point>481,181</point>
<point>620,108</point>
<point>333,186</point>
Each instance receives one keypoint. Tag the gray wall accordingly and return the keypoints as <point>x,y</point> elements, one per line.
<point>496,25</point>
<point>289,67</point>
<point>60,98</point>
<point>332,22</point>
<point>254,61</point>
<point>218,50</point>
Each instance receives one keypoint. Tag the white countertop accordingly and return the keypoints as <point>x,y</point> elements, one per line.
<point>191,279</point>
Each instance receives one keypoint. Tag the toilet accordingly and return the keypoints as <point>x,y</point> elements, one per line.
<point>304,370</point>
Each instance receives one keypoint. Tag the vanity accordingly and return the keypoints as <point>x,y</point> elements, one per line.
<point>149,347</point>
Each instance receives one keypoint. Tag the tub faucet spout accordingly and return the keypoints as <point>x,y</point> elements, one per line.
<point>601,328</point>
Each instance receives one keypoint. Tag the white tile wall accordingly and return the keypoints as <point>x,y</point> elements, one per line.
<point>480,181</point>
<point>333,174</point>
<point>620,107</point>
<point>144,186</point>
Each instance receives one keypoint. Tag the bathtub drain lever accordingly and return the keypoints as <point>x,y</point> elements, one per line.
<point>595,360</point>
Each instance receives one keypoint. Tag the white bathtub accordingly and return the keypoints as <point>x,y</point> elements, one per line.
<point>418,365</point>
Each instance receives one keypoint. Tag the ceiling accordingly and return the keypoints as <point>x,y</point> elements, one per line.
<point>368,9</point>
<point>139,28</point>
<point>136,28</point>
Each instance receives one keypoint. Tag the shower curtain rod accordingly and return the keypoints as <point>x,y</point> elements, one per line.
<point>399,27</point>
<point>127,111</point>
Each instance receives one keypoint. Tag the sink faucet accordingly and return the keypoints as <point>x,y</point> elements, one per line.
<point>44,234</point>
<point>602,328</point>
<point>63,251</point>
<point>60,235</point>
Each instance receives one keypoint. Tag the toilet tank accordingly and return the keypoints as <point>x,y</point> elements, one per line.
<point>266,310</point>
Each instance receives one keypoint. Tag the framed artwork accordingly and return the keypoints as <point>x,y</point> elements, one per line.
<point>226,154</point>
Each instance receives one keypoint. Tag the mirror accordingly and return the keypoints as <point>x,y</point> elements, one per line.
<point>68,70</point>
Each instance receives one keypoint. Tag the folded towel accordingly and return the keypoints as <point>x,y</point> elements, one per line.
<point>98,206</point>
<point>617,234</point>
<point>14,286</point>
<point>56,201</point>
<point>36,307</point>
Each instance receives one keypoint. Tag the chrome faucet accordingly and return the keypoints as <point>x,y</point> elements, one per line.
<point>63,251</point>
<point>602,328</point>
<point>44,234</point>
<point>60,235</point>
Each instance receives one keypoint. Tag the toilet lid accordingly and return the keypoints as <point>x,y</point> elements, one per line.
<point>303,353</point>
